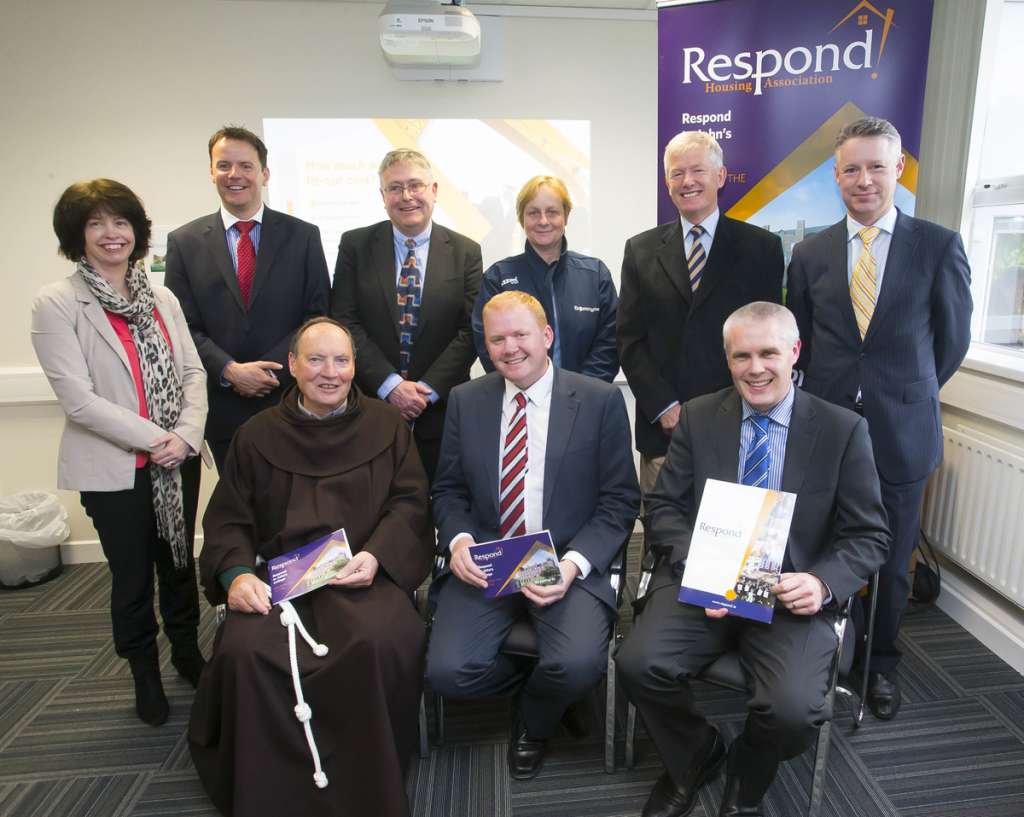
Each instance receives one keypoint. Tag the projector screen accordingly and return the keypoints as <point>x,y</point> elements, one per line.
<point>325,171</point>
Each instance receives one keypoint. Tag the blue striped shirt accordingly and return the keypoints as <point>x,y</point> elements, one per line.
<point>232,235</point>
<point>778,432</point>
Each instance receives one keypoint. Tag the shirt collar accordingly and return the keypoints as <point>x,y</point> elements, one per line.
<point>709,224</point>
<point>230,220</point>
<point>531,252</point>
<point>539,393</point>
<point>886,224</point>
<point>334,412</point>
<point>421,239</point>
<point>781,413</point>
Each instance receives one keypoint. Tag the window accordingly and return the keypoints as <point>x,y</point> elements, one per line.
<point>994,210</point>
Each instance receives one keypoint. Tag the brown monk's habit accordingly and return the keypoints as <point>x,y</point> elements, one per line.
<point>290,479</point>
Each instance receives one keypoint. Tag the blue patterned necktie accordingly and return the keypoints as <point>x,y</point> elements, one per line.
<point>755,467</point>
<point>697,259</point>
<point>408,306</point>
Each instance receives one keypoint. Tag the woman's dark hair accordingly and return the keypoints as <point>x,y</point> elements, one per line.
<point>83,199</point>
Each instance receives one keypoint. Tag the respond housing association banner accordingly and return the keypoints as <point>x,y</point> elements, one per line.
<point>774,81</point>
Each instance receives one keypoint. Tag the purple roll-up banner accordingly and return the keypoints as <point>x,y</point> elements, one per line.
<point>309,567</point>
<point>509,564</point>
<point>774,81</point>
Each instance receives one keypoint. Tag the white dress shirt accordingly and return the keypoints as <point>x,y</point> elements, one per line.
<point>879,247</point>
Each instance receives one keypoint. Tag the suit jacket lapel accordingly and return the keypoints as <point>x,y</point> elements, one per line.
<point>720,260</point>
<point>440,269</point>
<point>803,431</point>
<point>488,420</point>
<point>838,272</point>
<point>726,434</point>
<point>383,262</point>
<point>902,249</point>
<point>98,318</point>
<point>217,245</point>
<point>561,419</point>
<point>272,237</point>
<point>673,261</point>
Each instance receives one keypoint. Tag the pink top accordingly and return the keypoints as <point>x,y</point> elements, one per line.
<point>124,334</point>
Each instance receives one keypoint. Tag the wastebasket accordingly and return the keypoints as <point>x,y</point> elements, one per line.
<point>32,526</point>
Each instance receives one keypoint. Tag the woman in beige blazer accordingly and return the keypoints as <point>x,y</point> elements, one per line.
<point>122,363</point>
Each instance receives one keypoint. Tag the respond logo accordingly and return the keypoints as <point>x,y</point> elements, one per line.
<point>813,64</point>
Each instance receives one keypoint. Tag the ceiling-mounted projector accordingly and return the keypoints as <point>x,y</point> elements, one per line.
<point>425,32</point>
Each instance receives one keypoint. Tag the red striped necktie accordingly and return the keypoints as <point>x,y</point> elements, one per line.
<point>246,255</point>
<point>512,487</point>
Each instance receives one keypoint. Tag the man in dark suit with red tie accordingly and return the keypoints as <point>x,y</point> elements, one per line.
<point>530,447</point>
<point>247,277</point>
<point>680,281</point>
<point>884,305</point>
<point>405,289</point>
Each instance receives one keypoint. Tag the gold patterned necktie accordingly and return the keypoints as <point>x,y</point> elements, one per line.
<point>864,282</point>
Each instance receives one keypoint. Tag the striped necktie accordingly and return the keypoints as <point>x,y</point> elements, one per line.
<point>512,487</point>
<point>408,306</point>
<point>697,259</point>
<point>245,254</point>
<point>758,460</point>
<point>864,282</point>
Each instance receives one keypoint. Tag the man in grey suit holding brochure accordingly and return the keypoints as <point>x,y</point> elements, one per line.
<point>527,448</point>
<point>761,431</point>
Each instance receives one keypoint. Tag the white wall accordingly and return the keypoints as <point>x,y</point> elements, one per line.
<point>132,89</point>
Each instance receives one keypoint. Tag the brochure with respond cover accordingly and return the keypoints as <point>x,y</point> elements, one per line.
<point>737,547</point>
<point>509,564</point>
<point>309,567</point>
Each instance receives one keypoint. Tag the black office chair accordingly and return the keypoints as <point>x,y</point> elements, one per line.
<point>521,642</point>
<point>726,672</point>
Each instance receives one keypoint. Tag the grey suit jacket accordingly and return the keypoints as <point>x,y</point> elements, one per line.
<point>838,531</point>
<point>89,371</point>
<point>916,340</point>
<point>591,495</point>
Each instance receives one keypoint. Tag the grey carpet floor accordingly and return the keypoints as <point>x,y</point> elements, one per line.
<point>70,745</point>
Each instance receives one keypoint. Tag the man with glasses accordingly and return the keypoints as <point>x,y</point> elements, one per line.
<point>405,288</point>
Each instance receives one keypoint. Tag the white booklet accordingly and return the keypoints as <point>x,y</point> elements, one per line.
<point>737,547</point>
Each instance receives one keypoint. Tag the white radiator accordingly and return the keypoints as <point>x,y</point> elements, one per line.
<point>974,509</point>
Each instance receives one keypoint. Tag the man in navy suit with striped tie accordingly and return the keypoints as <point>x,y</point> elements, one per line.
<point>760,431</point>
<point>883,301</point>
<point>526,448</point>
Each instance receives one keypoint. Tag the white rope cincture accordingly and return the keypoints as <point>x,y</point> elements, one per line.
<point>303,712</point>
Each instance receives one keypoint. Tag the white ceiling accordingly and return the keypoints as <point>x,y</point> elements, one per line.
<point>632,5</point>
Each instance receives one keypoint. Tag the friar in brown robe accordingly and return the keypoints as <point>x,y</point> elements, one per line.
<point>326,457</point>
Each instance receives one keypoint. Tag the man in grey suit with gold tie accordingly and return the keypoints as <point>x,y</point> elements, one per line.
<point>883,302</point>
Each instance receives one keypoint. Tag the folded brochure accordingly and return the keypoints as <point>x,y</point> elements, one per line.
<point>510,564</point>
<point>736,549</point>
<point>309,567</point>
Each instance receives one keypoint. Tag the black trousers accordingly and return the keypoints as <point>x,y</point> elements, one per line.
<point>903,507</point>
<point>786,664</point>
<point>464,658</point>
<point>126,526</point>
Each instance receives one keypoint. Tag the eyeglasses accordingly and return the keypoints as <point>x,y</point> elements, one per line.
<point>415,187</point>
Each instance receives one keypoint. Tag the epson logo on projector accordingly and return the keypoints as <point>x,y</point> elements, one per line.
<point>761,66</point>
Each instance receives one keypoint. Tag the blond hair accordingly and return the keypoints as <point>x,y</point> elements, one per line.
<point>693,138</point>
<point>394,157</point>
<point>532,188</point>
<point>512,298</point>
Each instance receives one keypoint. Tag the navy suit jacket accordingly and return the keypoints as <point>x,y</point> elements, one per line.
<point>916,340</point>
<point>364,299</point>
<point>591,495</point>
<point>290,285</point>
<point>838,531</point>
<point>670,339</point>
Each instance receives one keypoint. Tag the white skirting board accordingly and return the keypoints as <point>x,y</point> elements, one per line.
<point>994,621</point>
<point>88,551</point>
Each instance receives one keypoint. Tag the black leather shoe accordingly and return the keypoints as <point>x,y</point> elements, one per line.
<point>150,700</point>
<point>525,755</point>
<point>731,806</point>
<point>884,696</point>
<point>189,663</point>
<point>669,800</point>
